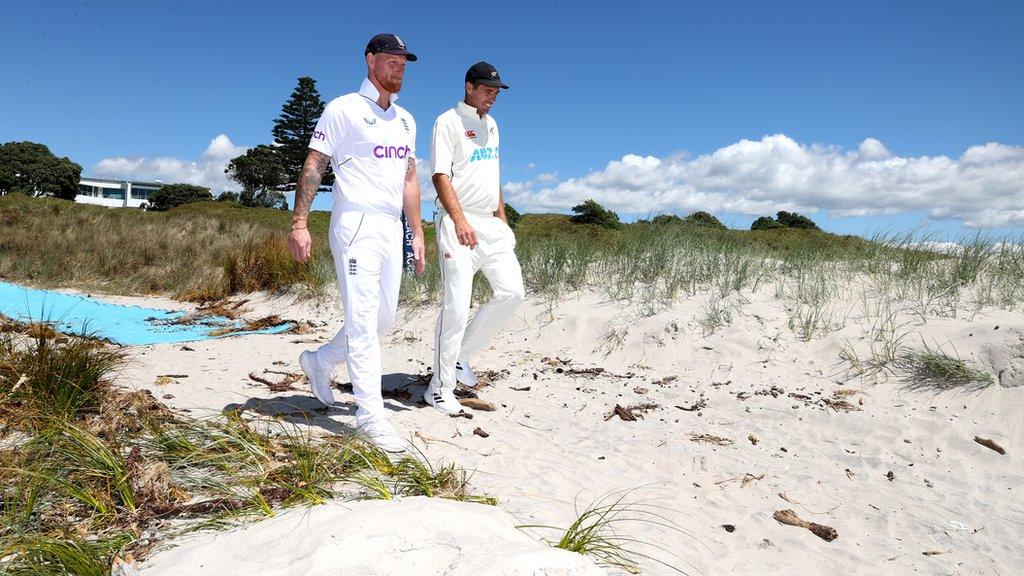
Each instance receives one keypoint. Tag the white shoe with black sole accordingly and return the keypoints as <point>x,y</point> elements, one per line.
<point>442,399</point>
<point>319,378</point>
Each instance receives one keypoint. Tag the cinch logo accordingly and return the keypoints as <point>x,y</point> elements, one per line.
<point>391,152</point>
<point>484,154</point>
<point>318,135</point>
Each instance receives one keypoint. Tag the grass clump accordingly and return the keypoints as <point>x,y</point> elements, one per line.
<point>932,369</point>
<point>599,531</point>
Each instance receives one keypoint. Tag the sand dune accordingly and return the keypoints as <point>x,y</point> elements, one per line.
<point>730,427</point>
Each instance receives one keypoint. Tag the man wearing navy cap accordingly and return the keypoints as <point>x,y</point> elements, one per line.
<point>472,234</point>
<point>369,142</point>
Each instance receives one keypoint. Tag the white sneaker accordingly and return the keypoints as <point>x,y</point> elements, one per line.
<point>464,374</point>
<point>442,399</point>
<point>379,431</point>
<point>319,378</point>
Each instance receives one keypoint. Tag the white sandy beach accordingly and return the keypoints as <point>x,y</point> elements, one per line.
<point>949,506</point>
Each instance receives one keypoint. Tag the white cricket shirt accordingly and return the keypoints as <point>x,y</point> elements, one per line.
<point>465,147</point>
<point>369,148</point>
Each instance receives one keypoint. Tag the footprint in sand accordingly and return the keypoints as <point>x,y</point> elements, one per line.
<point>1006,360</point>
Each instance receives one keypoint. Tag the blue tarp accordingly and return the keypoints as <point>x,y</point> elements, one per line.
<point>128,325</point>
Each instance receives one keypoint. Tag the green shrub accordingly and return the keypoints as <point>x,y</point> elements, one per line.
<point>590,212</point>
<point>173,195</point>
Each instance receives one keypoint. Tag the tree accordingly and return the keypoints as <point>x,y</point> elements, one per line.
<point>263,199</point>
<point>666,219</point>
<point>590,212</point>
<point>765,223</point>
<point>794,220</point>
<point>784,220</point>
<point>704,220</point>
<point>512,215</point>
<point>260,170</point>
<point>30,168</point>
<point>173,195</point>
<point>228,197</point>
<point>293,129</point>
<point>700,218</point>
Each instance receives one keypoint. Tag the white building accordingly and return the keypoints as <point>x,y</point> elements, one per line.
<point>115,193</point>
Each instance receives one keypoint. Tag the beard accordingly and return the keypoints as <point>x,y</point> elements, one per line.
<point>392,84</point>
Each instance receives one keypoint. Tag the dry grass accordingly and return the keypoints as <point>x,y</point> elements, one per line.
<point>194,252</point>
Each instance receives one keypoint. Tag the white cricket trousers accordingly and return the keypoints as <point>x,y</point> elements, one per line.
<point>367,250</point>
<point>495,255</point>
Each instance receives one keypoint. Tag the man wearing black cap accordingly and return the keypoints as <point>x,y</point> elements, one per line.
<point>472,234</point>
<point>369,142</point>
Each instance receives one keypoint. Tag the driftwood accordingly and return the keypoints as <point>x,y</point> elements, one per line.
<point>988,443</point>
<point>477,404</point>
<point>710,439</point>
<point>623,413</point>
<point>788,517</point>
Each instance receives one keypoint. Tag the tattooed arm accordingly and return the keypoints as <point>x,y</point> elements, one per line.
<point>411,202</point>
<point>299,243</point>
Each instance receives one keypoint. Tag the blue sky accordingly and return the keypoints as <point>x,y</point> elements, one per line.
<point>740,108</point>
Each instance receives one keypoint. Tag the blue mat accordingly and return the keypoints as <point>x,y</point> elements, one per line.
<point>128,325</point>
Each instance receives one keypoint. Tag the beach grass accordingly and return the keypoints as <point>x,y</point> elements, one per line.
<point>110,472</point>
<point>602,530</point>
<point>209,250</point>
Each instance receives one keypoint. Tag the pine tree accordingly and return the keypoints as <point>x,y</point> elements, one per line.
<point>294,128</point>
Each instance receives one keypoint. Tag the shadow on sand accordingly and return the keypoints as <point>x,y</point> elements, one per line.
<point>404,391</point>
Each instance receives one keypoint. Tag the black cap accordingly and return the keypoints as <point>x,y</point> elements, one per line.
<point>388,44</point>
<point>484,73</point>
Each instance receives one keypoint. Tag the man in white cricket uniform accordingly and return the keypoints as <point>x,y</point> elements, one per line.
<point>472,234</point>
<point>370,143</point>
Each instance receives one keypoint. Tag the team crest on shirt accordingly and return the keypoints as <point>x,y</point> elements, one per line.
<point>369,121</point>
<point>470,134</point>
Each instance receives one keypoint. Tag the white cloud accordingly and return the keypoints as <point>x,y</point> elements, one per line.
<point>983,188</point>
<point>207,171</point>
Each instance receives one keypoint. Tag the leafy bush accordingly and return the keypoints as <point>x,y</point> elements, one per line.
<point>784,220</point>
<point>590,212</point>
<point>794,220</point>
<point>699,218</point>
<point>173,195</point>
<point>512,215</point>
<point>766,223</point>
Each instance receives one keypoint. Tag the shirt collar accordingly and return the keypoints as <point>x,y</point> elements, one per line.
<point>467,110</point>
<point>370,91</point>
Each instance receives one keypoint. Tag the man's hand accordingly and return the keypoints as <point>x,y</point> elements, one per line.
<point>300,245</point>
<point>465,233</point>
<point>419,258</point>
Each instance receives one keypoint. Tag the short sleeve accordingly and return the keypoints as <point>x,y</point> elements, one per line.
<point>442,148</point>
<point>412,134</point>
<point>329,131</point>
